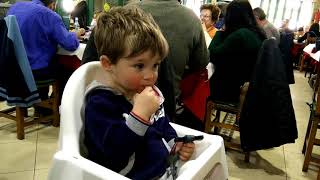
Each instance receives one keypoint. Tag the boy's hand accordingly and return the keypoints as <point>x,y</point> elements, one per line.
<point>185,150</point>
<point>146,103</point>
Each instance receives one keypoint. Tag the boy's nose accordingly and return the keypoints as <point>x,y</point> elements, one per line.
<point>149,75</point>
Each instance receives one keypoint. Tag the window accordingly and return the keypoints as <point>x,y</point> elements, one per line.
<point>298,11</point>
<point>194,5</point>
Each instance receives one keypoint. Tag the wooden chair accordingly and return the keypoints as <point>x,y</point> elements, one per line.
<point>19,114</point>
<point>213,126</point>
<point>313,125</point>
<point>310,141</point>
<point>17,84</point>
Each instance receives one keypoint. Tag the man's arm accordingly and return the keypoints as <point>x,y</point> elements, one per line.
<point>67,40</point>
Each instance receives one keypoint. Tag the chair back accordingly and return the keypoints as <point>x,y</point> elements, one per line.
<point>17,84</point>
<point>310,39</point>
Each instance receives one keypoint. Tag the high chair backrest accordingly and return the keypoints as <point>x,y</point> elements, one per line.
<point>71,104</point>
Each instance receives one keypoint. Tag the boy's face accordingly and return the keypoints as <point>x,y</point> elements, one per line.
<point>131,75</point>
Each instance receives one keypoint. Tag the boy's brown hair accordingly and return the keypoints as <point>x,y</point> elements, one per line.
<point>215,11</point>
<point>127,32</point>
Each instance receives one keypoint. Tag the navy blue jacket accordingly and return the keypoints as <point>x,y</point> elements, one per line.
<point>116,139</point>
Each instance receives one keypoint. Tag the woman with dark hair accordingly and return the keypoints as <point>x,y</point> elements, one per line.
<point>80,11</point>
<point>234,52</point>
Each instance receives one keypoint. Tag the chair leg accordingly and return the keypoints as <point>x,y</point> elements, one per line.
<point>55,105</point>
<point>301,64</point>
<point>20,122</point>
<point>310,143</point>
<point>217,119</point>
<point>307,133</point>
<point>247,157</point>
<point>307,69</point>
<point>305,73</point>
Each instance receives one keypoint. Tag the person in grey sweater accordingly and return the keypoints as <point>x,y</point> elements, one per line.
<point>188,52</point>
<point>268,28</point>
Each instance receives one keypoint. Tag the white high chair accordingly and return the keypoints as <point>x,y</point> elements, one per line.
<point>208,161</point>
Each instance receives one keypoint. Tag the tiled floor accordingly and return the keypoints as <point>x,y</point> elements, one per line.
<point>29,159</point>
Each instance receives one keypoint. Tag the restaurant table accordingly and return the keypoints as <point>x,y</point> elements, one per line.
<point>316,57</point>
<point>71,60</point>
<point>68,62</point>
<point>78,52</point>
<point>309,50</point>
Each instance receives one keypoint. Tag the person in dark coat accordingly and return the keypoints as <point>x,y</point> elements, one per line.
<point>267,119</point>
<point>286,44</point>
<point>90,53</point>
<point>234,52</point>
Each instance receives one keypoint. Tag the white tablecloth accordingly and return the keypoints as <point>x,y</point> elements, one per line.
<point>79,52</point>
<point>308,49</point>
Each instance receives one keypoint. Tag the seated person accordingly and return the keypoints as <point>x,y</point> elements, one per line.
<point>106,8</point>
<point>80,11</point>
<point>299,33</point>
<point>94,19</point>
<point>126,129</point>
<point>313,33</point>
<point>234,52</point>
<point>42,30</point>
<point>90,52</point>
<point>209,15</point>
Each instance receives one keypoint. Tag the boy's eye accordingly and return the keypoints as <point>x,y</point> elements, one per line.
<point>138,66</point>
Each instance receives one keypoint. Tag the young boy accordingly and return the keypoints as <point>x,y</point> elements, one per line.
<point>126,129</point>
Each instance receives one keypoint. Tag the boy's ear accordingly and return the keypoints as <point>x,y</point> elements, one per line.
<point>105,62</point>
